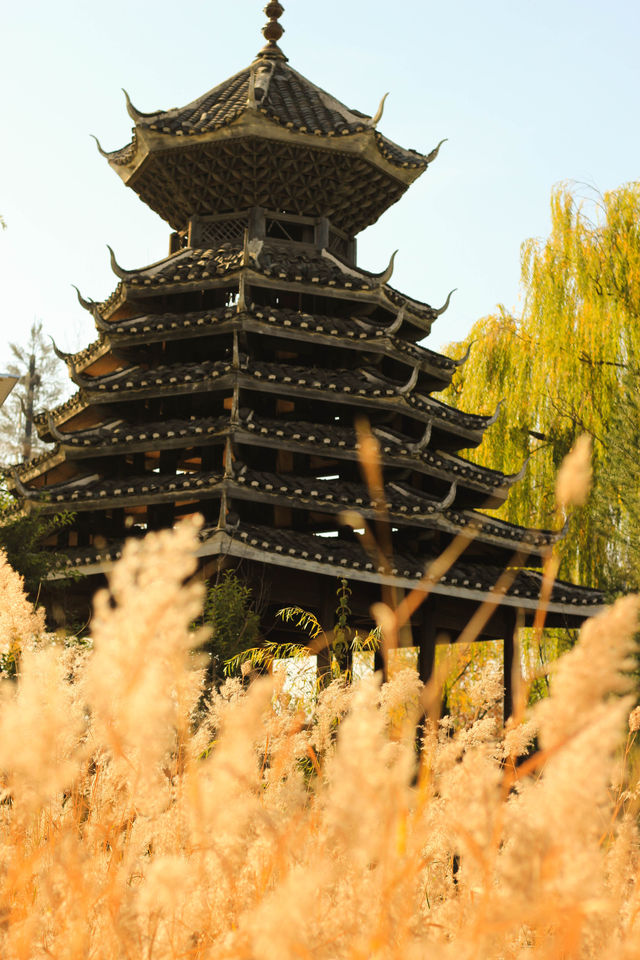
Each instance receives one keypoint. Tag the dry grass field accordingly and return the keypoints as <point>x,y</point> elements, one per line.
<point>139,822</point>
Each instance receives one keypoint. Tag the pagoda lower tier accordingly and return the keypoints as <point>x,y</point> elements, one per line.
<point>469,583</point>
<point>236,382</point>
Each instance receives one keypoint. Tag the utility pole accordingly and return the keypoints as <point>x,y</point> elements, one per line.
<point>32,380</point>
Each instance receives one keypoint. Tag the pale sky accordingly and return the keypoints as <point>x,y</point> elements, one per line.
<point>527,93</point>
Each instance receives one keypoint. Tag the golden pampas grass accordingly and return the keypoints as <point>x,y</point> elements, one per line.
<point>20,623</point>
<point>141,821</point>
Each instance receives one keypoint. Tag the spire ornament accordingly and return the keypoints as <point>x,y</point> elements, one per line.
<point>273,31</point>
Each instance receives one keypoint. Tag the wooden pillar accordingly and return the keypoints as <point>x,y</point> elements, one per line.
<point>210,459</point>
<point>379,665</point>
<point>509,646</point>
<point>84,529</point>
<point>426,642</point>
<point>327,617</point>
<point>425,638</point>
<point>322,233</point>
<point>118,528</point>
<point>257,223</point>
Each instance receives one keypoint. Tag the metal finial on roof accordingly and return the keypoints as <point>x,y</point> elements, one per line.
<point>273,31</point>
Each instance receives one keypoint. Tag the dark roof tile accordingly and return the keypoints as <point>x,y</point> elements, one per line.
<point>362,382</point>
<point>281,94</point>
<point>334,552</point>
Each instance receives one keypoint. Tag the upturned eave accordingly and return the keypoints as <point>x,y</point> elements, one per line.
<point>490,487</point>
<point>253,123</point>
<point>344,333</point>
<point>139,171</point>
<point>569,605</point>
<point>140,289</point>
<point>328,386</point>
<point>404,508</point>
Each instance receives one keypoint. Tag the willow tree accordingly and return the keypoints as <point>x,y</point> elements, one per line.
<point>563,367</point>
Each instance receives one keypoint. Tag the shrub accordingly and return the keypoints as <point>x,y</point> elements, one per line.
<point>234,623</point>
<point>22,537</point>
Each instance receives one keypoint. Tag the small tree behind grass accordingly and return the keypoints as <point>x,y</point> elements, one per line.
<point>22,537</point>
<point>341,640</point>
<point>235,623</point>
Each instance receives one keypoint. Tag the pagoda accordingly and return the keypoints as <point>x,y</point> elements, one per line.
<point>226,378</point>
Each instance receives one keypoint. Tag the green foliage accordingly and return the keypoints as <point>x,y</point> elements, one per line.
<point>344,636</point>
<point>261,658</point>
<point>9,663</point>
<point>540,653</point>
<point>342,640</point>
<point>234,621</point>
<point>560,369</point>
<point>303,619</point>
<point>616,500</point>
<point>21,537</point>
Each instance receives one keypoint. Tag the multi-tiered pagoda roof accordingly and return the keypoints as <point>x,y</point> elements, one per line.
<point>227,377</point>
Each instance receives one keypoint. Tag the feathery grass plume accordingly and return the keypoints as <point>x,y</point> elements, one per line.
<point>42,728</point>
<point>354,788</point>
<point>19,621</point>
<point>561,819</point>
<point>583,679</point>
<point>130,831</point>
<point>573,482</point>
<point>331,707</point>
<point>138,682</point>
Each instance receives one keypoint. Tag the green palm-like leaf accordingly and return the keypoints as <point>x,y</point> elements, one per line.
<point>303,619</point>
<point>261,658</point>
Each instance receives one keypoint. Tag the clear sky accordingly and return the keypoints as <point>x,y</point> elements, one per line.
<point>528,94</point>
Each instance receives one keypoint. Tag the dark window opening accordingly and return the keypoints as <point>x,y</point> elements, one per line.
<point>288,230</point>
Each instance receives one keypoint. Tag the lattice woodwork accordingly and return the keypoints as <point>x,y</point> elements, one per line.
<point>214,233</point>
<point>235,175</point>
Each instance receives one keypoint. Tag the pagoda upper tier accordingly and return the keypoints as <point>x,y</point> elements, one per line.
<point>267,137</point>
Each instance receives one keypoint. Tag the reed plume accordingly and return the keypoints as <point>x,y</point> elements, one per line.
<point>141,820</point>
